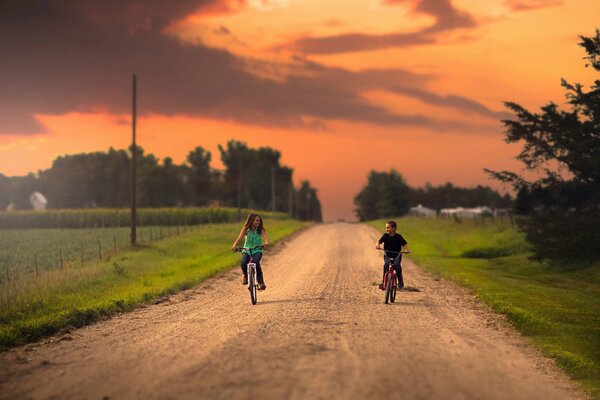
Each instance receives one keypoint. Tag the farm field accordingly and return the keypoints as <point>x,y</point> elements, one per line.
<point>31,242</point>
<point>32,306</point>
<point>556,306</point>
<point>25,251</point>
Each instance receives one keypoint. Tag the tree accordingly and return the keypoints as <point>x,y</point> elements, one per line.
<point>308,206</point>
<point>385,195</point>
<point>563,148</point>
<point>199,176</point>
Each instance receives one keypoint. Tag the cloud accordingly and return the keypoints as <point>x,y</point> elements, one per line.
<point>447,18</point>
<point>527,5</point>
<point>269,5</point>
<point>60,57</point>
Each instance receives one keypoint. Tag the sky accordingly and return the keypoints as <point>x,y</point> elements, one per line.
<point>340,87</point>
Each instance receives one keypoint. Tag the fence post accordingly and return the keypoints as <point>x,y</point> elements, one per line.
<point>37,272</point>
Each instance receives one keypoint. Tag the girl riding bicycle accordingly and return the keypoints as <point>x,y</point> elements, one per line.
<point>394,242</point>
<point>255,235</point>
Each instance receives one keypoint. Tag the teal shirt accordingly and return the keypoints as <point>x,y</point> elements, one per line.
<point>253,239</point>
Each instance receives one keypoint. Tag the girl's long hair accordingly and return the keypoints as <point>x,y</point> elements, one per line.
<point>249,220</point>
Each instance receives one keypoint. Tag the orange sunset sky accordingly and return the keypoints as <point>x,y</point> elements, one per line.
<point>339,87</point>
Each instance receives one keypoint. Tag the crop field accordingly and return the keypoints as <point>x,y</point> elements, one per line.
<point>32,242</point>
<point>120,217</point>
<point>24,251</point>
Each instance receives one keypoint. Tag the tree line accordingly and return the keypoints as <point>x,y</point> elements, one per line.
<point>252,178</point>
<point>387,194</point>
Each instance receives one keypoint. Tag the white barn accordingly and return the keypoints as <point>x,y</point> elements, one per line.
<point>38,201</point>
<point>461,212</point>
<point>421,211</point>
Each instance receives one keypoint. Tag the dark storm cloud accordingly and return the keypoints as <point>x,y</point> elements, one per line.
<point>64,56</point>
<point>452,101</point>
<point>527,5</point>
<point>446,18</point>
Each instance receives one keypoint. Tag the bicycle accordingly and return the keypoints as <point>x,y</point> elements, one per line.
<point>389,279</point>
<point>252,281</point>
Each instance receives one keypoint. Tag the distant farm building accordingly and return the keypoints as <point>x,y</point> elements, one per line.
<point>38,201</point>
<point>420,211</point>
<point>461,212</point>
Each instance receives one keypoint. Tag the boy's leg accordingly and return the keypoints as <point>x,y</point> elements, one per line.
<point>386,262</point>
<point>398,268</point>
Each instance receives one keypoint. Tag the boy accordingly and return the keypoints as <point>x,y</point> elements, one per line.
<point>392,241</point>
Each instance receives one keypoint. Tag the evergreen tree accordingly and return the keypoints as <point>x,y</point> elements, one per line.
<point>563,146</point>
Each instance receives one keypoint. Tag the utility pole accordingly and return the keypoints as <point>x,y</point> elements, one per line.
<point>133,236</point>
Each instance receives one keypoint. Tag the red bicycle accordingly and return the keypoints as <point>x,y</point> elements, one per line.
<point>390,278</point>
<point>252,281</point>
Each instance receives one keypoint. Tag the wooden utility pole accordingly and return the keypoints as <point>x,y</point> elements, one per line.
<point>133,235</point>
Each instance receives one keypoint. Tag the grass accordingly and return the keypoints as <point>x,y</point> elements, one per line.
<point>556,305</point>
<point>33,307</point>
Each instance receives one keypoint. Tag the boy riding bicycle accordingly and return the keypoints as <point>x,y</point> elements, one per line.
<point>394,243</point>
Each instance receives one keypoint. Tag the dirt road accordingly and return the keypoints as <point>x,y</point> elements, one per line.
<point>320,331</point>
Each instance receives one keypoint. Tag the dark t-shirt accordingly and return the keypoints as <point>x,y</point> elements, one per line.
<point>392,243</point>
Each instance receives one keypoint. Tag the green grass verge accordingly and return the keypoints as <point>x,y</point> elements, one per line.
<point>556,306</point>
<point>34,307</point>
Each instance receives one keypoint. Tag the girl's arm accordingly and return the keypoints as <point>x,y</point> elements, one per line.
<point>265,237</point>
<point>238,240</point>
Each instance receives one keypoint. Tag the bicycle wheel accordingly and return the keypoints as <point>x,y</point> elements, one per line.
<point>388,288</point>
<point>393,291</point>
<point>252,285</point>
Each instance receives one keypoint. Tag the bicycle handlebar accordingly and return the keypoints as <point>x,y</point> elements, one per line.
<point>239,249</point>
<point>396,252</point>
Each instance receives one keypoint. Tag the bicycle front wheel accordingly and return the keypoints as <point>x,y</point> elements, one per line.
<point>393,291</point>
<point>389,284</point>
<point>252,285</point>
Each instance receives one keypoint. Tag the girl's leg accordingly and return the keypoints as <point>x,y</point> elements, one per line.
<point>259,273</point>
<point>244,263</point>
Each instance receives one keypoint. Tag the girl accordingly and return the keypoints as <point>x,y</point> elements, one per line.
<point>255,235</point>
